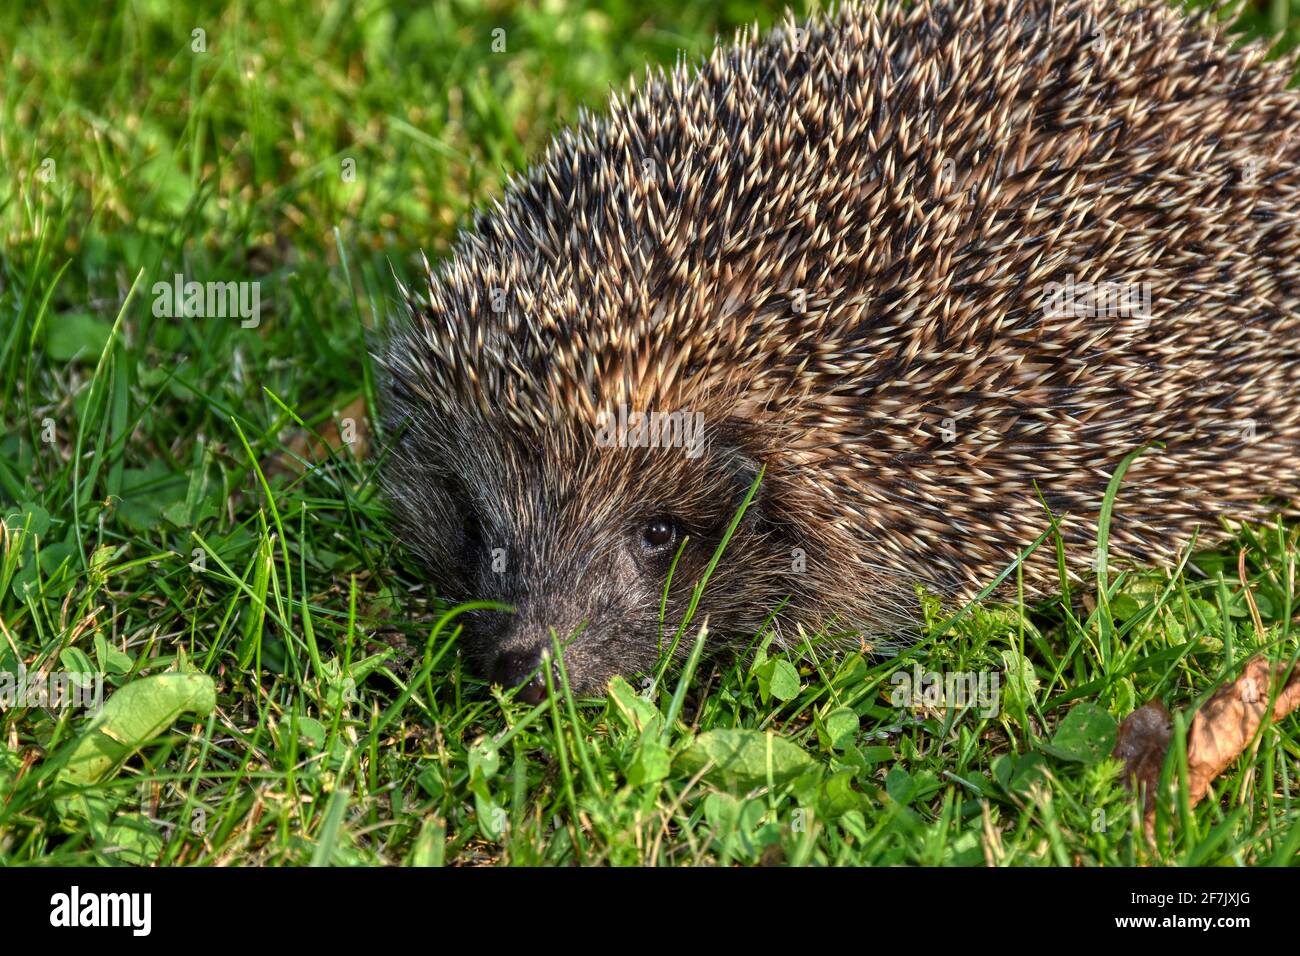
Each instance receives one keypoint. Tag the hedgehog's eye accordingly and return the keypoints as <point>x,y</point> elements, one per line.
<point>660,533</point>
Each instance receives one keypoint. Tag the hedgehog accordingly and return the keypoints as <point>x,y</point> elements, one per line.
<point>872,300</point>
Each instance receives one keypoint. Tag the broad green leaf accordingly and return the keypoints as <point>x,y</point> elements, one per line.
<point>484,759</point>
<point>837,729</point>
<point>1086,735</point>
<point>430,780</point>
<point>309,729</point>
<point>1124,606</point>
<point>30,515</point>
<point>744,758</point>
<point>836,796</point>
<point>652,762</point>
<point>785,680</point>
<point>777,678</point>
<point>75,661</point>
<point>491,817</point>
<point>132,717</point>
<point>145,493</point>
<point>53,555</point>
<point>110,658</point>
<point>430,845</point>
<point>1017,772</point>
<point>879,754</point>
<point>134,839</point>
<point>632,709</point>
<point>900,785</point>
<point>721,810</point>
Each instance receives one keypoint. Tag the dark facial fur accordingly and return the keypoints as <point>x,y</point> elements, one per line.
<point>833,245</point>
<point>578,539</point>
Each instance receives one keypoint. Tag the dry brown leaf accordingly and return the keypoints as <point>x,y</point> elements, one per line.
<point>1142,742</point>
<point>1227,723</point>
<point>1220,731</point>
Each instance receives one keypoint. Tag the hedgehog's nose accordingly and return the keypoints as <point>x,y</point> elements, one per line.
<point>515,667</point>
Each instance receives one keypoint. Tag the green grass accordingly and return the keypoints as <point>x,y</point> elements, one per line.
<point>345,731</point>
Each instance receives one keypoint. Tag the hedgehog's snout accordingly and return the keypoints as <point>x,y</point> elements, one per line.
<point>522,669</point>
<point>515,652</point>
